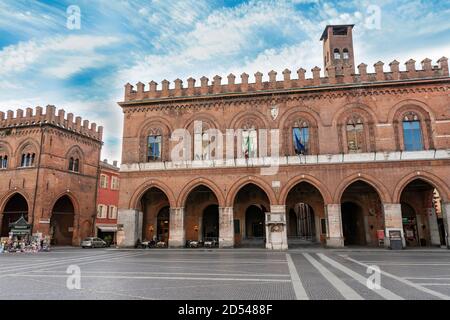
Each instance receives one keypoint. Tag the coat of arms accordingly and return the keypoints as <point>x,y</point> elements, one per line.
<point>274,112</point>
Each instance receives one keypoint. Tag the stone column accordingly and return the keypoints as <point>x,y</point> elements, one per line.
<point>130,222</point>
<point>177,233</point>
<point>393,221</point>
<point>276,235</point>
<point>433,227</point>
<point>226,227</point>
<point>334,225</point>
<point>446,218</point>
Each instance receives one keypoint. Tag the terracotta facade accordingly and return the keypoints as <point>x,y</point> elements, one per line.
<point>356,177</point>
<point>50,175</point>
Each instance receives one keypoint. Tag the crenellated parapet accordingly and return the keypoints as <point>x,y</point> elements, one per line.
<point>330,77</point>
<point>29,117</point>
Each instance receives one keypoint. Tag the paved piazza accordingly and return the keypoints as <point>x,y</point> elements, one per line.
<point>226,274</point>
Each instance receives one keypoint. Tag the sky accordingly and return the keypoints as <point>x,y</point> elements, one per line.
<point>46,60</point>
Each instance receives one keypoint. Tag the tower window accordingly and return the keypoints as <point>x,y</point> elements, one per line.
<point>337,54</point>
<point>339,31</point>
<point>345,54</point>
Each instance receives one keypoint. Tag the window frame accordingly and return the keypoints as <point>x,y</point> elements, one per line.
<point>149,144</point>
<point>105,184</point>
<point>418,143</point>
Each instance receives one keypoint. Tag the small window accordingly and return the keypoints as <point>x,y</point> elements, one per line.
<point>102,211</point>
<point>3,162</point>
<point>27,160</point>
<point>337,54</point>
<point>345,54</point>
<point>74,165</point>
<point>300,137</point>
<point>103,181</point>
<point>154,148</point>
<point>112,212</point>
<point>412,133</point>
<point>114,183</point>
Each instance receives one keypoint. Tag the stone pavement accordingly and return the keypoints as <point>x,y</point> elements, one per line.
<point>168,274</point>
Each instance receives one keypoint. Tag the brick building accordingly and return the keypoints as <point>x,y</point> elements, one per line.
<point>359,154</point>
<point>107,201</point>
<point>48,173</point>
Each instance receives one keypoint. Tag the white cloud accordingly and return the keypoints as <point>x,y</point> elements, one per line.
<point>67,54</point>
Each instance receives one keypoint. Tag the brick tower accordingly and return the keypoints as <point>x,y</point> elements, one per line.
<point>338,47</point>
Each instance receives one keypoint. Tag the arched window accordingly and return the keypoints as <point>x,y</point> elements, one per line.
<point>355,135</point>
<point>300,137</point>
<point>154,147</point>
<point>27,159</point>
<point>3,161</point>
<point>337,54</point>
<point>412,132</point>
<point>74,164</point>
<point>249,142</point>
<point>345,54</point>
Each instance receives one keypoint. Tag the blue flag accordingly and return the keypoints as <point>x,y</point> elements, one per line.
<point>299,147</point>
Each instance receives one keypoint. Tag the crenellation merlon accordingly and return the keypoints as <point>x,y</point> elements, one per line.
<point>335,75</point>
<point>51,116</point>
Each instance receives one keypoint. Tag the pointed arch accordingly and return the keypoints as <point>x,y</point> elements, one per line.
<point>428,177</point>
<point>184,193</point>
<point>143,188</point>
<point>379,187</point>
<point>239,184</point>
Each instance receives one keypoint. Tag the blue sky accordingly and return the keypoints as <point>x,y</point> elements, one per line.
<point>83,71</point>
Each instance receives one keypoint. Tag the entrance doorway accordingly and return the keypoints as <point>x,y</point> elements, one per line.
<point>254,222</point>
<point>211,223</point>
<point>62,221</point>
<point>353,224</point>
<point>15,208</point>
<point>163,225</point>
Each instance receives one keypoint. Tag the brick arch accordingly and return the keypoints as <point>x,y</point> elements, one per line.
<point>379,187</point>
<point>239,184</point>
<point>73,199</point>
<point>323,190</point>
<point>436,182</point>
<point>7,147</point>
<point>143,188</point>
<point>184,194</point>
<point>258,117</point>
<point>155,125</point>
<point>340,121</point>
<point>4,200</point>
<point>202,116</point>
<point>424,114</point>
<point>287,122</point>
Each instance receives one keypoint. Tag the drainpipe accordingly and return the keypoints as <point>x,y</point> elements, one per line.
<point>96,190</point>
